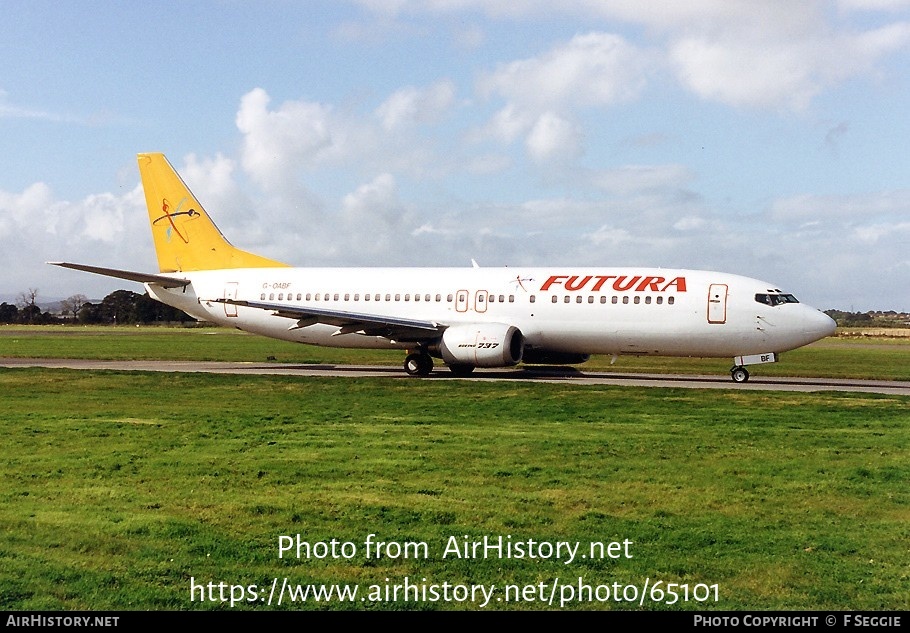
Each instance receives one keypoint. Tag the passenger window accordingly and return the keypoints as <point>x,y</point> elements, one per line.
<point>347,296</point>
<point>615,299</point>
<point>648,299</point>
<point>591,299</point>
<point>533,298</point>
<point>670,301</point>
<point>555,299</point>
<point>438,298</point>
<point>637,300</point>
<point>262,297</point>
<point>271,296</point>
<point>625,299</point>
<point>660,300</point>
<point>568,299</point>
<point>427,298</point>
<point>603,298</point>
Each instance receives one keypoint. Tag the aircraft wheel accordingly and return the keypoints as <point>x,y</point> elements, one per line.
<point>418,364</point>
<point>461,370</point>
<point>739,374</point>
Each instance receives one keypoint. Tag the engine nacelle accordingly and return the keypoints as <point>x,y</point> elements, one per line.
<point>482,345</point>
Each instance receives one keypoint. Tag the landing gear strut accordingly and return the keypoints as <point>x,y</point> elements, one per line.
<point>739,374</point>
<point>418,364</point>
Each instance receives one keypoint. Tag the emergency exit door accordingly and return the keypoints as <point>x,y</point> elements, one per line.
<point>230,292</point>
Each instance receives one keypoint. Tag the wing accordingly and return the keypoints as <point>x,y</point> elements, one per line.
<point>395,328</point>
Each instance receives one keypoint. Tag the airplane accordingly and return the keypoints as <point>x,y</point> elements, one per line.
<point>467,317</point>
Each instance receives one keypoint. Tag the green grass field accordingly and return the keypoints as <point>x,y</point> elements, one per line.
<point>119,488</point>
<point>886,359</point>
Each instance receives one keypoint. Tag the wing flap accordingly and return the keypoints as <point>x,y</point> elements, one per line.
<point>396,328</point>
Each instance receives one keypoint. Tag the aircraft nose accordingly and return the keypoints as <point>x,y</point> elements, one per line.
<point>819,325</point>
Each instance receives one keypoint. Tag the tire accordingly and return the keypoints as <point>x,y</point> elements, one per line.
<point>739,374</point>
<point>419,365</point>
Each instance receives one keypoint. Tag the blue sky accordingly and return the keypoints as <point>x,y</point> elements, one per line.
<point>765,138</point>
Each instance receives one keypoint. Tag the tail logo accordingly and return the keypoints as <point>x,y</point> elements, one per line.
<point>169,216</point>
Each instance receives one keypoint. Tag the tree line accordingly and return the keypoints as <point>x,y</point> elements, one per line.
<point>121,307</point>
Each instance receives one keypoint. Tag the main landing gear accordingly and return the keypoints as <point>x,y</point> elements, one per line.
<point>418,364</point>
<point>739,374</point>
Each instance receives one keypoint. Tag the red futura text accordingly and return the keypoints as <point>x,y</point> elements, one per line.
<point>621,283</point>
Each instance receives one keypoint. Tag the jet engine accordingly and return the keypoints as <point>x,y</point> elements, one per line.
<point>481,345</point>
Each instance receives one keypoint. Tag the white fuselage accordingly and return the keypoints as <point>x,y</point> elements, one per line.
<point>561,310</point>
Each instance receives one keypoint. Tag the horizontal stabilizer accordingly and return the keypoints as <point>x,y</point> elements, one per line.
<point>143,278</point>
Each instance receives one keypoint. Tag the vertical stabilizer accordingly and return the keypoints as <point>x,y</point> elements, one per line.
<point>185,237</point>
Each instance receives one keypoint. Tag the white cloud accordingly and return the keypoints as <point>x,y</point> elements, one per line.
<point>276,143</point>
<point>595,69</point>
<point>873,233</point>
<point>506,125</point>
<point>591,70</point>
<point>378,197</point>
<point>553,138</point>
<point>26,208</point>
<point>282,145</point>
<point>777,68</point>
<point>874,5</point>
<point>775,54</point>
<point>102,228</point>
<point>411,105</point>
<point>636,179</point>
<point>608,235</point>
<point>213,182</point>
<point>746,74</point>
<point>689,223</point>
<point>809,207</point>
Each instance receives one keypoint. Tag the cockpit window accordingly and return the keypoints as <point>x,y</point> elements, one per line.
<point>775,299</point>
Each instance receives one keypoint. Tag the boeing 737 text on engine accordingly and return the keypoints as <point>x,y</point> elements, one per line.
<point>467,317</point>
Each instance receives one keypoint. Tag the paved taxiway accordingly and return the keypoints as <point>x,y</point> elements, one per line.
<point>569,375</point>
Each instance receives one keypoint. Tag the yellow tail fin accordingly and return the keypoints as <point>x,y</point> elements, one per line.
<point>185,237</point>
